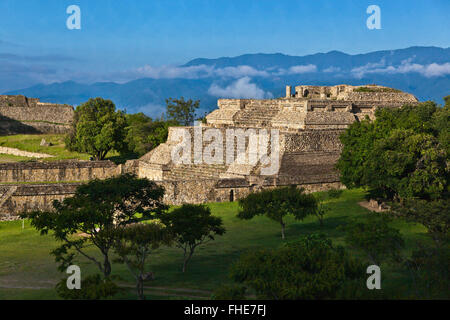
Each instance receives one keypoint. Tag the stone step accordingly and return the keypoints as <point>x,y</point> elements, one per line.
<point>198,171</point>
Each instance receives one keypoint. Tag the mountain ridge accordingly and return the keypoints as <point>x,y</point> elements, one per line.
<point>265,75</point>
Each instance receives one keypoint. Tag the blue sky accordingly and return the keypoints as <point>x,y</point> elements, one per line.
<point>118,35</point>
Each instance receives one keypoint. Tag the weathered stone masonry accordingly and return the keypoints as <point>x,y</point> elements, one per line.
<point>56,171</point>
<point>19,114</point>
<point>309,122</point>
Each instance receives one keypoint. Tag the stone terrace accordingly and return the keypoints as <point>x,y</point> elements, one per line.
<point>309,122</point>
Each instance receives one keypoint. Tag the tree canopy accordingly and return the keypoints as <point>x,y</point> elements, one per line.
<point>402,154</point>
<point>97,129</point>
<point>278,203</point>
<point>192,225</point>
<point>93,215</point>
<point>144,133</point>
<point>310,268</point>
<point>134,245</point>
<point>182,111</point>
<point>376,238</point>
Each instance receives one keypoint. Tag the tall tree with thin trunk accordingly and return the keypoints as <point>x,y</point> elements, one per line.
<point>192,225</point>
<point>134,245</point>
<point>182,111</point>
<point>276,204</point>
<point>92,216</point>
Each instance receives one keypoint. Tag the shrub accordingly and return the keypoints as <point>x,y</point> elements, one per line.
<point>334,193</point>
<point>375,238</point>
<point>311,268</point>
<point>229,292</point>
<point>93,287</point>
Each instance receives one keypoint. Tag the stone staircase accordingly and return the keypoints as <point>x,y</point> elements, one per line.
<point>256,115</point>
<point>195,171</point>
<point>308,164</point>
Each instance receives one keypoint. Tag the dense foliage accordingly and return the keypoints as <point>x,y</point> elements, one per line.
<point>92,216</point>
<point>310,268</point>
<point>434,215</point>
<point>145,134</point>
<point>402,157</point>
<point>430,269</point>
<point>278,203</point>
<point>376,238</point>
<point>402,154</point>
<point>182,111</point>
<point>93,287</point>
<point>97,129</point>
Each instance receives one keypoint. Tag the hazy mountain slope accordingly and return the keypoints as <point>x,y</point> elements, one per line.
<point>148,94</point>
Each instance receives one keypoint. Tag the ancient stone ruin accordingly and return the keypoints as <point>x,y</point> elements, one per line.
<point>19,114</point>
<point>222,159</point>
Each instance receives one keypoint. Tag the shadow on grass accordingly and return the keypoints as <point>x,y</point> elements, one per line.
<point>330,227</point>
<point>121,159</point>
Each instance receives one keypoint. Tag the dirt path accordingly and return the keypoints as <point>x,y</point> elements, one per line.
<point>21,153</point>
<point>366,204</point>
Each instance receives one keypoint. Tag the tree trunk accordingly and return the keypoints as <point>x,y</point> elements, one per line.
<point>140,288</point>
<point>283,227</point>
<point>186,260</point>
<point>106,266</point>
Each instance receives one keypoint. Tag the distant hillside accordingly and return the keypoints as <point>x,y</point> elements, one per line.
<point>421,55</point>
<point>422,71</point>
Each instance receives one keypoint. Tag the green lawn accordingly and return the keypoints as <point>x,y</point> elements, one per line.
<point>31,143</point>
<point>25,259</point>
<point>12,158</point>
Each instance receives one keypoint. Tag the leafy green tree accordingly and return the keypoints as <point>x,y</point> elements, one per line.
<point>192,225</point>
<point>407,165</point>
<point>277,203</point>
<point>441,119</point>
<point>402,154</point>
<point>375,238</point>
<point>93,287</point>
<point>310,268</point>
<point>92,216</point>
<point>144,134</point>
<point>434,215</point>
<point>159,132</point>
<point>137,132</point>
<point>97,129</point>
<point>322,210</point>
<point>134,245</point>
<point>182,111</point>
<point>430,268</point>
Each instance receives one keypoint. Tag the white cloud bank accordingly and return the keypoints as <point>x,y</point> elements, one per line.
<point>204,71</point>
<point>241,88</point>
<point>297,70</point>
<point>429,70</point>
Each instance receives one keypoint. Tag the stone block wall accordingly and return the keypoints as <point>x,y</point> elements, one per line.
<point>56,171</point>
<point>59,114</point>
<point>19,114</point>
<point>27,198</point>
